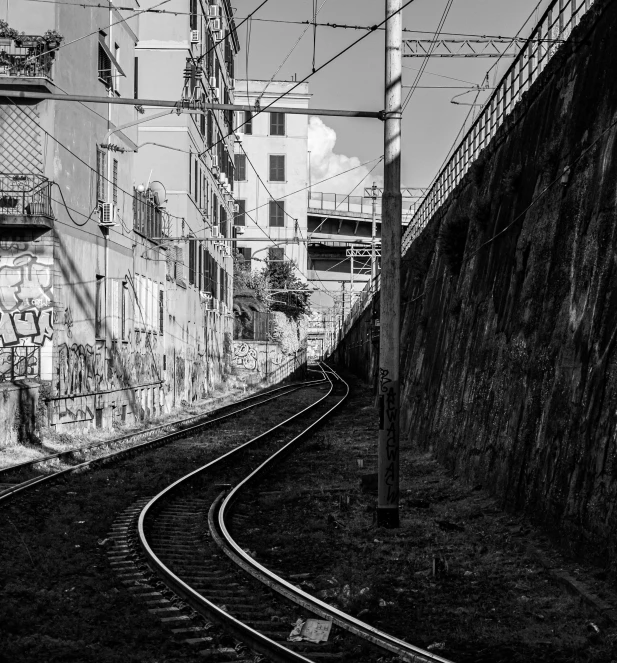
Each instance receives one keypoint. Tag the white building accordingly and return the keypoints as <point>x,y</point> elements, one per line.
<point>272,173</point>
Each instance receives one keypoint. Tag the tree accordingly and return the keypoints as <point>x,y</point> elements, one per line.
<point>281,276</point>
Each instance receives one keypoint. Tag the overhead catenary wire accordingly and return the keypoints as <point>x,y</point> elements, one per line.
<point>323,66</point>
<point>293,48</point>
<point>425,60</point>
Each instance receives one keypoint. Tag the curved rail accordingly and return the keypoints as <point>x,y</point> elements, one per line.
<point>257,641</point>
<point>144,446</point>
<point>220,534</point>
<point>388,642</point>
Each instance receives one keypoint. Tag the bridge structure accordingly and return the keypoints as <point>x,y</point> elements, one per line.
<point>340,236</point>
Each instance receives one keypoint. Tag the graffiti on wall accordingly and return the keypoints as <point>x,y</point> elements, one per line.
<point>257,356</point>
<point>26,312</point>
<point>245,356</point>
<point>84,369</point>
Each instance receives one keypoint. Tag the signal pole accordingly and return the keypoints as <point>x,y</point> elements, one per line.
<point>390,314</point>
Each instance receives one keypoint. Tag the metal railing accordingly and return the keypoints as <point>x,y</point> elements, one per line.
<point>555,26</point>
<point>342,203</point>
<point>25,195</point>
<point>28,57</point>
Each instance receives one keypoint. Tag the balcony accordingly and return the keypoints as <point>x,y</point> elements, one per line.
<point>26,63</point>
<point>25,201</point>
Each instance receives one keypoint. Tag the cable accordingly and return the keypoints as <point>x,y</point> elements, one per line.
<point>323,66</point>
<point>425,60</point>
<point>67,208</point>
<point>122,20</point>
<point>290,52</point>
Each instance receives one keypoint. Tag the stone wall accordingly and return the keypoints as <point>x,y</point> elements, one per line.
<point>509,358</point>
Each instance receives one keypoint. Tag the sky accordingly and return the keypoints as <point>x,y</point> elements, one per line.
<point>355,81</point>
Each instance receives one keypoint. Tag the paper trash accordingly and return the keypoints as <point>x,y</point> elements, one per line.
<point>312,630</point>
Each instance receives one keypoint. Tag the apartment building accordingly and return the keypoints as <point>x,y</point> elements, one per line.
<point>109,311</point>
<point>190,155</point>
<point>272,173</point>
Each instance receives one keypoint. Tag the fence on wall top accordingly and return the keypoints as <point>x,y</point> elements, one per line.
<point>555,26</point>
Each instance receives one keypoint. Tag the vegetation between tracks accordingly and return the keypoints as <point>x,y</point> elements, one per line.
<point>460,576</point>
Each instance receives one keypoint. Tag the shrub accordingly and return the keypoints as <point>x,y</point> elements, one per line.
<point>512,180</point>
<point>452,239</point>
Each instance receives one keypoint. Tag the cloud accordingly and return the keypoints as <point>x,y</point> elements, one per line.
<point>326,163</point>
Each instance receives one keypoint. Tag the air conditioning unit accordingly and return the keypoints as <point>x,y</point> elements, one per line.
<point>240,230</point>
<point>106,215</point>
<point>194,36</point>
<point>214,11</point>
<point>215,25</point>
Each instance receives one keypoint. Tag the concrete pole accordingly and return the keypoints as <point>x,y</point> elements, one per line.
<point>374,239</point>
<point>390,301</point>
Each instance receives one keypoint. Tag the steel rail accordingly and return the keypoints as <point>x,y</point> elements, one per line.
<point>388,642</point>
<point>144,446</point>
<point>257,641</point>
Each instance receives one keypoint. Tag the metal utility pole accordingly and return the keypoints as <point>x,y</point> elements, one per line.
<point>391,226</point>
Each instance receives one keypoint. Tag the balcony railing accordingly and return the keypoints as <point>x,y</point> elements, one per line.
<point>25,195</point>
<point>148,218</point>
<point>28,58</point>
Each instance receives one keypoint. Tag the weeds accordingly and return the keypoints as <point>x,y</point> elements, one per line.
<point>511,180</point>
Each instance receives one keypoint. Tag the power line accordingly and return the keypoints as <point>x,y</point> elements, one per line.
<point>316,12</point>
<point>432,47</point>
<point>323,66</point>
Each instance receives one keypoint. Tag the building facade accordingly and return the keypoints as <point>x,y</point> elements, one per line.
<point>272,173</point>
<point>103,317</point>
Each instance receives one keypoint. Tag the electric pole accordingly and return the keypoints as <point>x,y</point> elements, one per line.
<point>390,302</point>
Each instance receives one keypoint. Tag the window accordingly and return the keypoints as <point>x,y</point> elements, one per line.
<point>124,309</point>
<point>192,248</point>
<point>240,218</point>
<point>161,310</point>
<point>245,253</point>
<point>193,14</point>
<point>276,214</point>
<point>136,79</point>
<point>114,175</point>
<point>240,172</point>
<point>224,222</point>
<point>277,168</point>
<point>276,254</point>
<point>277,124</point>
<point>105,66</point>
<point>248,123</point>
<point>115,81</point>
<point>101,172</point>
<point>99,301</point>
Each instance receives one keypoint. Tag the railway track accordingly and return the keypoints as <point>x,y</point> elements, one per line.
<point>23,476</point>
<point>182,538</point>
